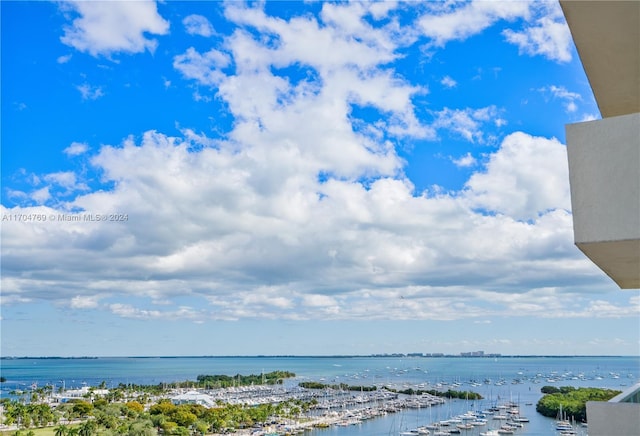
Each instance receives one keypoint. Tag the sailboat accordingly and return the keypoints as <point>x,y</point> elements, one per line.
<point>562,423</point>
<point>416,432</point>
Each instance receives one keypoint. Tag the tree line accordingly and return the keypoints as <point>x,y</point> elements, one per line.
<point>122,412</point>
<point>225,381</point>
<point>131,418</point>
<point>572,401</point>
<point>338,387</point>
<point>462,395</point>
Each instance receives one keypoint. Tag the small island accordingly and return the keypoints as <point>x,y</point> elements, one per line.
<point>570,403</point>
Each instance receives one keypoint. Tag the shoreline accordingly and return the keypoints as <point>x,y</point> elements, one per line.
<point>517,379</point>
<point>330,356</point>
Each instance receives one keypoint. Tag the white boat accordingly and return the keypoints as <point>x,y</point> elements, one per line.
<point>415,432</point>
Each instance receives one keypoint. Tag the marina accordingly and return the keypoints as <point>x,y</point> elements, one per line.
<point>509,386</point>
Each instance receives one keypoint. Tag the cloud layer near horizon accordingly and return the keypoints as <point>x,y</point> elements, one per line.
<point>253,238</point>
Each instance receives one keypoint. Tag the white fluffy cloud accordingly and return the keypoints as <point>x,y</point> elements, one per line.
<point>66,179</point>
<point>465,161</point>
<point>90,92</point>
<point>468,123</point>
<point>251,229</point>
<point>76,148</point>
<point>548,36</point>
<point>560,92</point>
<point>198,25</point>
<point>474,17</point>
<point>203,68</point>
<point>527,177</point>
<point>105,28</point>
<point>85,302</point>
<point>41,195</point>
<point>301,210</point>
<point>448,82</point>
<point>544,31</point>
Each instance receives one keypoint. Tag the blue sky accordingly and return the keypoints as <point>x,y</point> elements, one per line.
<point>295,178</point>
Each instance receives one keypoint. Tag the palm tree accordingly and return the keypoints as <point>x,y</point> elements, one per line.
<point>61,430</point>
<point>87,428</point>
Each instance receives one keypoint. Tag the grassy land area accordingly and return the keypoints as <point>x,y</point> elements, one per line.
<point>47,431</point>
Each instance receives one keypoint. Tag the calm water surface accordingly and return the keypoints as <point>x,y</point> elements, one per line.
<point>517,379</point>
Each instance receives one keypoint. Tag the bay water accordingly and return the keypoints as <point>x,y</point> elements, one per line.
<point>497,379</point>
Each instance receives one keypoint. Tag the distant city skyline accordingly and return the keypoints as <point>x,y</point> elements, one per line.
<point>295,178</point>
<point>463,354</point>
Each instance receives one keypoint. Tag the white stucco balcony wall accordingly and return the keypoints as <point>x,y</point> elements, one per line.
<point>620,416</point>
<point>604,174</point>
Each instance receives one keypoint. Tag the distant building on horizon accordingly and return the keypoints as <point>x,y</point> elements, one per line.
<point>473,354</point>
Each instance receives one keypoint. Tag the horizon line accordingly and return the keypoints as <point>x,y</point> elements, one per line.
<point>374,355</point>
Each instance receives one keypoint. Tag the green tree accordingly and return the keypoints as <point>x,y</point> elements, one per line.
<point>214,417</point>
<point>163,407</point>
<point>87,428</point>
<point>107,420</point>
<point>61,430</point>
<point>82,409</point>
<point>183,417</point>
<point>572,401</point>
<point>181,431</point>
<point>201,427</point>
<point>141,427</point>
<point>134,407</point>
<point>13,411</point>
<point>168,427</point>
<point>40,414</point>
<point>100,403</point>
<point>115,395</point>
